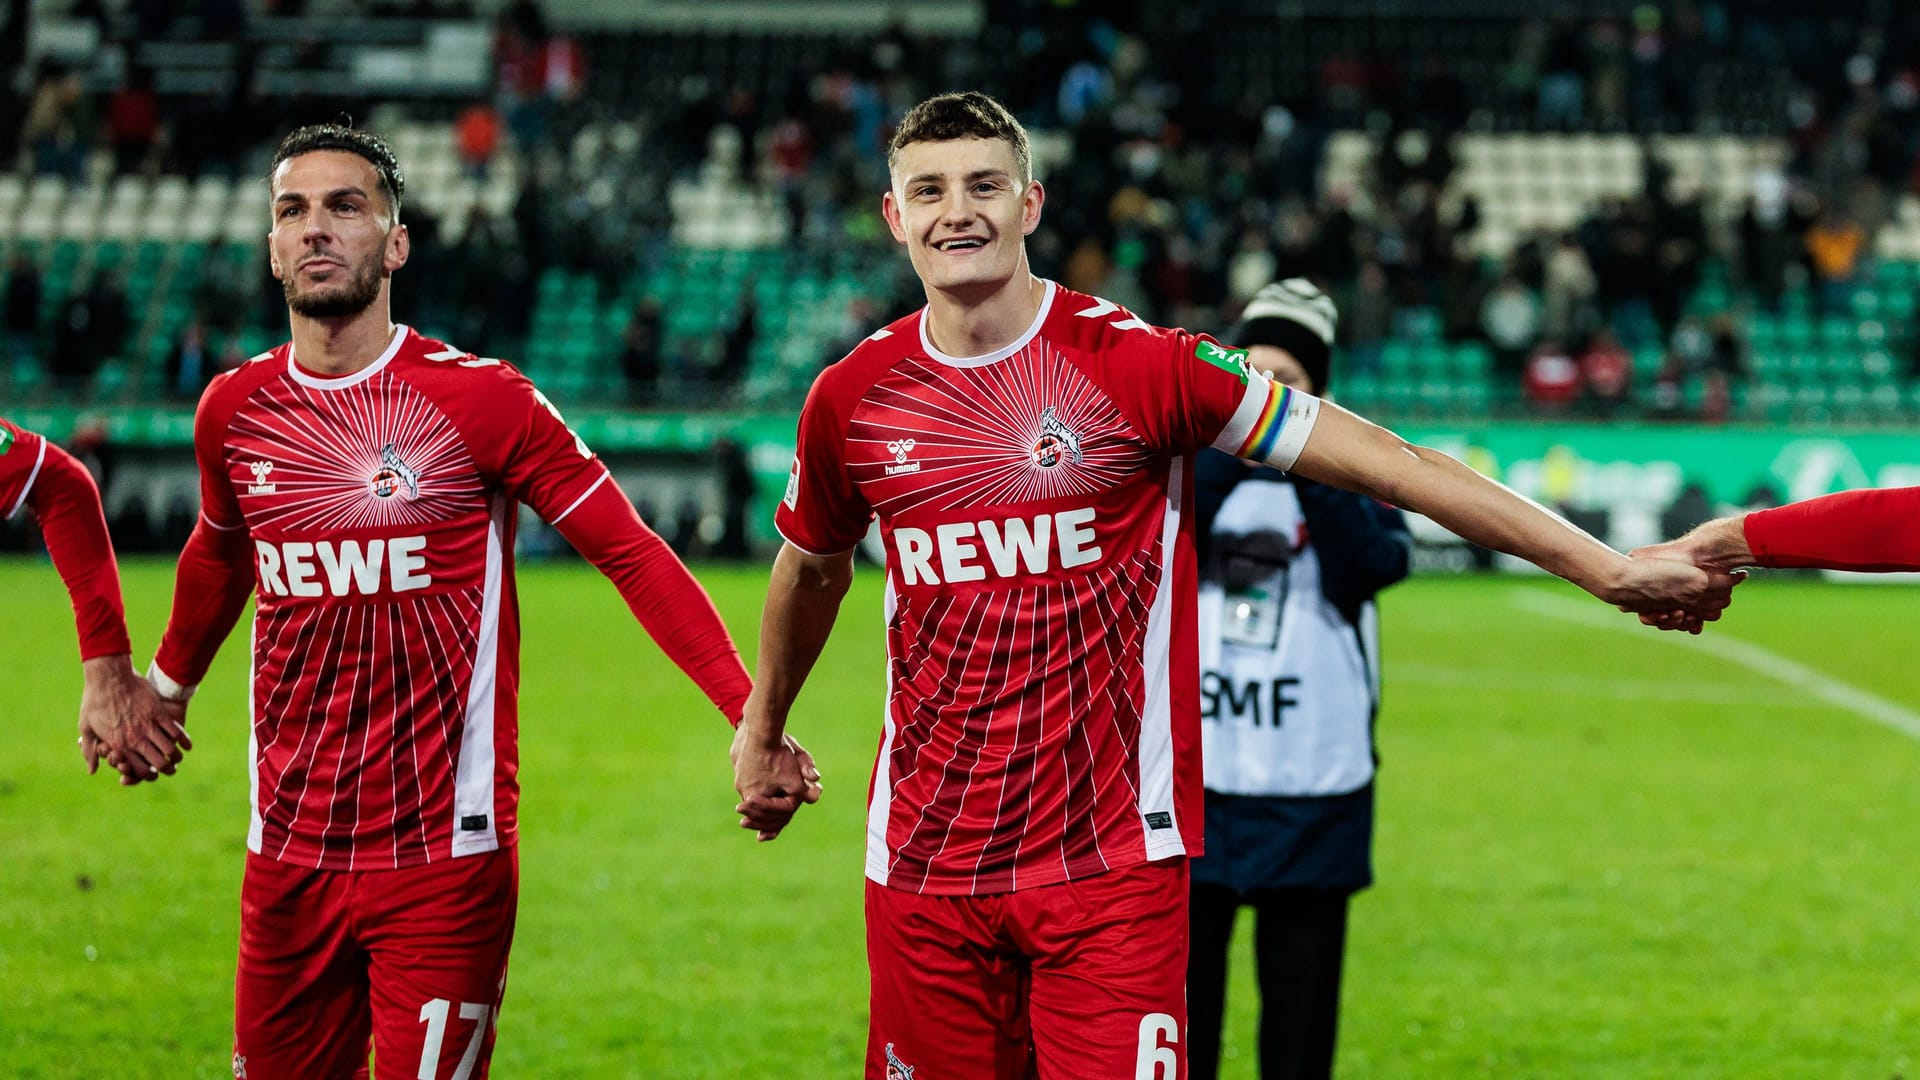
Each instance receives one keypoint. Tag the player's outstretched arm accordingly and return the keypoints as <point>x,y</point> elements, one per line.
<point>1349,452</point>
<point>120,717</point>
<point>1874,530</point>
<point>803,599</point>
<point>662,594</point>
<point>671,606</point>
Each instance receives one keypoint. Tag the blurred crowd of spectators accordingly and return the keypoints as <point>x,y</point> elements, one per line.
<point>1167,192</point>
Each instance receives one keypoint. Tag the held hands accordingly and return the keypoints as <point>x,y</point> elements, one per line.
<point>1714,550</point>
<point>125,721</point>
<point>774,779</point>
<point>1670,594</point>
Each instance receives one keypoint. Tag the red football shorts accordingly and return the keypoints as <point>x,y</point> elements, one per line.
<point>1084,979</point>
<point>414,960</point>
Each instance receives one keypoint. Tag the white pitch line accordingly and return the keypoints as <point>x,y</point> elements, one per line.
<point>1402,673</point>
<point>1755,658</point>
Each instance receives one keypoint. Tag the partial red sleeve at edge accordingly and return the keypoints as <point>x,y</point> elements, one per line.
<point>67,504</point>
<point>1876,530</point>
<point>211,584</point>
<point>672,607</point>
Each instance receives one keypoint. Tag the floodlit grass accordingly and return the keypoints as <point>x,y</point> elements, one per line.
<point>1601,854</point>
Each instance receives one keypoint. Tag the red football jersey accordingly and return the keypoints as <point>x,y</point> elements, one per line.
<point>385,667</point>
<point>22,454</point>
<point>1042,719</point>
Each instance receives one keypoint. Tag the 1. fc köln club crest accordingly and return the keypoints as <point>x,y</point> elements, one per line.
<point>1057,441</point>
<point>394,475</point>
<point>897,1069</point>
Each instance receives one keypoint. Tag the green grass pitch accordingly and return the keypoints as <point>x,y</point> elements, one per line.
<point>1601,854</point>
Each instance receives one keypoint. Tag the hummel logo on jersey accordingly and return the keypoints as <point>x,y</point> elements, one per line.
<point>260,470</point>
<point>296,567</point>
<point>392,474</point>
<point>1013,546</point>
<point>1056,439</point>
<point>900,448</point>
<point>897,1069</point>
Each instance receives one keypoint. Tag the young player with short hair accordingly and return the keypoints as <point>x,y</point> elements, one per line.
<point>1028,451</point>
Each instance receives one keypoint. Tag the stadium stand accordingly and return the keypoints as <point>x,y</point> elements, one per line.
<point>1684,211</point>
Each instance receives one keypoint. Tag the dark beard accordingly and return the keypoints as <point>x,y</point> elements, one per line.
<point>331,303</point>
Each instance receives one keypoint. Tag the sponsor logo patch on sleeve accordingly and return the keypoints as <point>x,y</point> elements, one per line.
<point>1231,361</point>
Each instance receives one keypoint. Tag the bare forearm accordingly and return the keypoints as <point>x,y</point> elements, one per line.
<point>1347,451</point>
<point>1495,516</point>
<point>803,599</point>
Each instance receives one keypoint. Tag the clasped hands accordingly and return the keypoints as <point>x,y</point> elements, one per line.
<point>775,777</point>
<point>1683,584</point>
<point>125,722</point>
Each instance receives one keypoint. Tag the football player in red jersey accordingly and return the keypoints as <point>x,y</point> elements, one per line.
<point>121,719</point>
<point>1875,530</point>
<point>363,482</point>
<point>1028,452</point>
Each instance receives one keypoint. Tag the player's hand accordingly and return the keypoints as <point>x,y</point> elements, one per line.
<point>124,720</point>
<point>1671,594</point>
<point>774,779</point>
<point>1718,545</point>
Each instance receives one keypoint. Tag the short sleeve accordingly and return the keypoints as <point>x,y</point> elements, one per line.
<point>822,512</point>
<point>22,455</point>
<point>547,466</point>
<point>1217,399</point>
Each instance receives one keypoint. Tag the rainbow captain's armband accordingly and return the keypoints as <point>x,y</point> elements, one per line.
<point>1271,425</point>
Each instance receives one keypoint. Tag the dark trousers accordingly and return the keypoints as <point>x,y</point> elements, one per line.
<point>1299,939</point>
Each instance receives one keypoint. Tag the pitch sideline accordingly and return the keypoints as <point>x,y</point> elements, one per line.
<point>1755,658</point>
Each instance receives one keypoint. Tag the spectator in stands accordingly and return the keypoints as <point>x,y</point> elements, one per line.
<point>92,328</point>
<point>1767,240</point>
<point>736,353</point>
<point>1510,319</point>
<point>476,135</point>
<point>790,159</point>
<point>1552,380</point>
<point>1368,318</point>
<point>640,352</point>
<point>737,491</point>
<point>111,319</point>
<point>1835,246</point>
<point>59,123</point>
<point>133,121</point>
<point>1606,371</point>
<point>23,306</point>
<point>1561,103</point>
<point>190,363</point>
<point>1567,303</point>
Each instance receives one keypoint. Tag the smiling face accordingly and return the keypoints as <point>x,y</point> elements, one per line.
<point>963,211</point>
<point>334,238</point>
